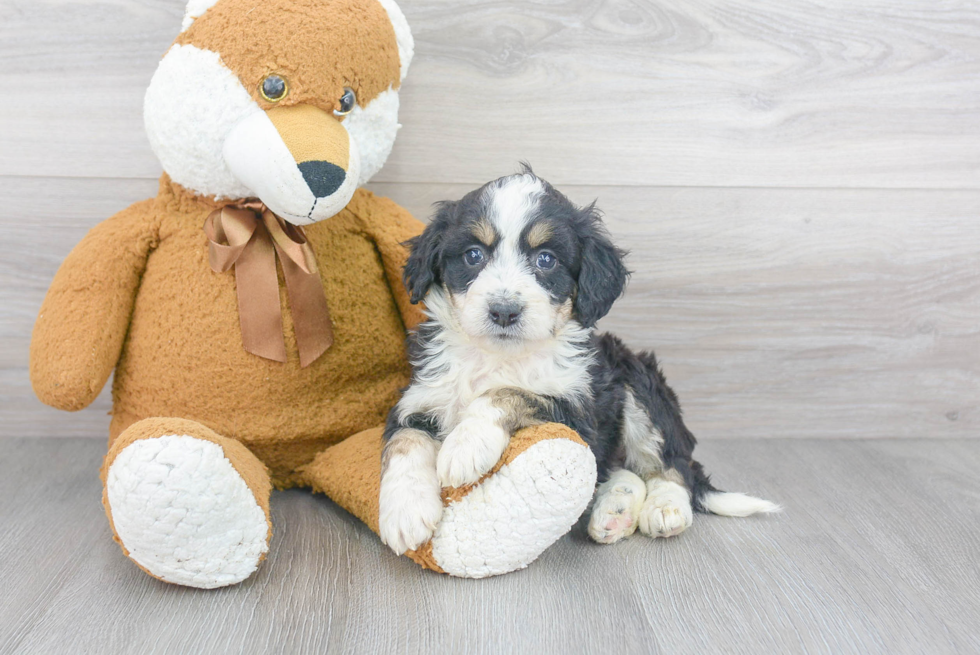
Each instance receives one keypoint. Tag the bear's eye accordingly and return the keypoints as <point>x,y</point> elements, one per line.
<point>274,88</point>
<point>473,256</point>
<point>546,261</point>
<point>347,102</point>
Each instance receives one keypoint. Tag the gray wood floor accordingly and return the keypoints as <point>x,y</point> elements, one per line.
<point>877,551</point>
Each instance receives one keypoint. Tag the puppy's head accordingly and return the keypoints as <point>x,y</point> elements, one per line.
<point>514,261</point>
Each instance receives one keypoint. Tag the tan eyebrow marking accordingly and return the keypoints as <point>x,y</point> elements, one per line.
<point>539,233</point>
<point>483,231</point>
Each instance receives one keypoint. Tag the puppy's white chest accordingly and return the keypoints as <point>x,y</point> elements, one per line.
<point>480,372</point>
<point>459,374</point>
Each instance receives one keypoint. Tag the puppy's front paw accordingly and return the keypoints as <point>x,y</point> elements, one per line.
<point>470,451</point>
<point>410,509</point>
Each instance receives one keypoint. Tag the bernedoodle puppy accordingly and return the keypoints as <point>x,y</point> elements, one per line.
<point>514,277</point>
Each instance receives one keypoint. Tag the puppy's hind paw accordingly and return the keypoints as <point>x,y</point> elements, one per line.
<point>617,507</point>
<point>667,510</point>
<point>608,525</point>
<point>666,521</point>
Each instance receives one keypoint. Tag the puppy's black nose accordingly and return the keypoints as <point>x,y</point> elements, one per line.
<point>505,313</point>
<point>322,177</point>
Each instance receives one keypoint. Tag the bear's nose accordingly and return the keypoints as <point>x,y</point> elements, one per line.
<point>505,313</point>
<point>322,177</point>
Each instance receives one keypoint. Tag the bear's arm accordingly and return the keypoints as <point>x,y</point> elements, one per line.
<point>83,321</point>
<point>390,226</point>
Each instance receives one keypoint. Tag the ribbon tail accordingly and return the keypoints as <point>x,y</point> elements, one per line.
<point>250,237</point>
<point>259,308</point>
<point>308,307</point>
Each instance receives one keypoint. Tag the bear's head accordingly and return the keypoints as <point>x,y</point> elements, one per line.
<point>293,102</point>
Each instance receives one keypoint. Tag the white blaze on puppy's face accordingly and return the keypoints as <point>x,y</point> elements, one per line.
<point>508,280</point>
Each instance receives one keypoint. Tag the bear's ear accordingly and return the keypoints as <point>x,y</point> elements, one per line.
<point>602,275</point>
<point>194,10</point>
<point>403,35</point>
<point>422,267</point>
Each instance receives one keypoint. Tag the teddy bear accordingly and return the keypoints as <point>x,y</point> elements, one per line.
<point>254,313</point>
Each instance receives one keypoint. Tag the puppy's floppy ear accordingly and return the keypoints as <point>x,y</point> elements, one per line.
<point>602,275</point>
<point>422,267</point>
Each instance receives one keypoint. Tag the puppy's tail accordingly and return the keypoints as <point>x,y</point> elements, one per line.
<point>725,503</point>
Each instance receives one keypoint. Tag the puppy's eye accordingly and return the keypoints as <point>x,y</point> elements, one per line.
<point>346,104</point>
<point>274,88</point>
<point>473,256</point>
<point>546,261</point>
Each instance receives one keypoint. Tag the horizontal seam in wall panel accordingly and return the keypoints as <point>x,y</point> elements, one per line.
<point>567,185</point>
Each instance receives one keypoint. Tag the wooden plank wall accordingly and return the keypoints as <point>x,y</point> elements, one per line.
<point>799,184</point>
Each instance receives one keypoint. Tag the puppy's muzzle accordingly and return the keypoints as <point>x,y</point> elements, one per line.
<point>505,312</point>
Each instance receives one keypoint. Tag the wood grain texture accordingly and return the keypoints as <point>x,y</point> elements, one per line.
<point>875,553</point>
<point>741,93</point>
<point>795,312</point>
<point>775,312</point>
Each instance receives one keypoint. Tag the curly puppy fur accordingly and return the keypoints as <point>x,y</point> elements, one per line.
<point>514,278</point>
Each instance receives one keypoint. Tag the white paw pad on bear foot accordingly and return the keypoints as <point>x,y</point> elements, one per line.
<point>184,514</point>
<point>512,516</point>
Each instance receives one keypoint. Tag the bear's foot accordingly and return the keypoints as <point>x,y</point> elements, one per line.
<point>187,506</point>
<point>528,500</point>
<point>504,522</point>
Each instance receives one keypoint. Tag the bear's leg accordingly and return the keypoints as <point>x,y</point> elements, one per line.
<point>536,492</point>
<point>187,505</point>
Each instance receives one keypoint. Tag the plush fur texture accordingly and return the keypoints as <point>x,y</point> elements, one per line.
<point>355,47</point>
<point>137,297</point>
<point>193,10</point>
<point>373,129</point>
<point>403,35</point>
<point>218,143</point>
<point>515,277</point>
<point>491,527</point>
<point>187,505</point>
<point>537,497</point>
<point>186,489</point>
<point>183,355</point>
<point>175,117</point>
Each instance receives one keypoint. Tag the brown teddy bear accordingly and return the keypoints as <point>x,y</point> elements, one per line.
<point>254,313</point>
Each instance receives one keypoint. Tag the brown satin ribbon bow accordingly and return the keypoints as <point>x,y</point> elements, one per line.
<point>248,236</point>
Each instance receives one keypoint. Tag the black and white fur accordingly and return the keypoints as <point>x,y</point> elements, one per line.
<point>514,278</point>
